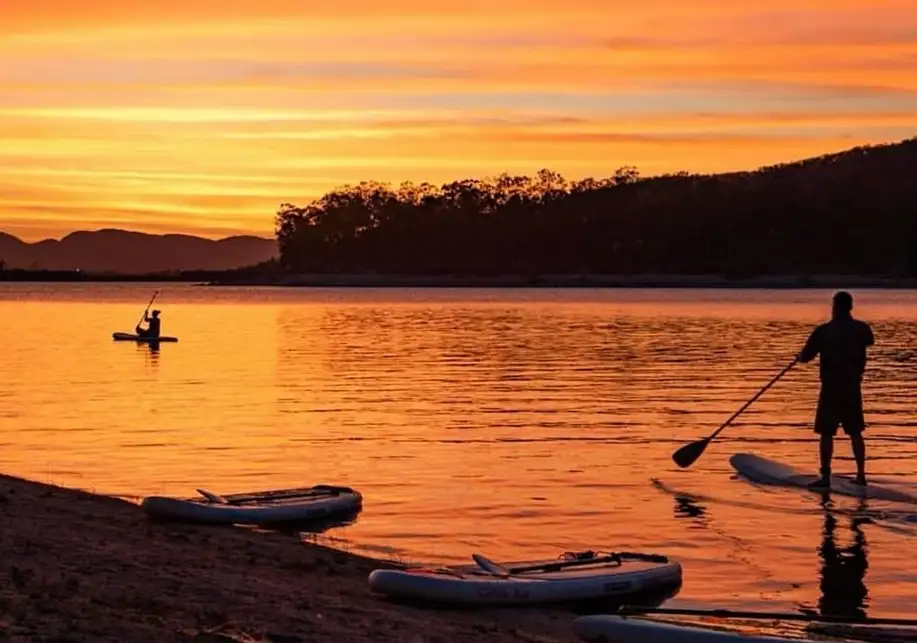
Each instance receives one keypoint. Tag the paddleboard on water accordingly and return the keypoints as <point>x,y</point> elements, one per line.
<point>616,629</point>
<point>128,337</point>
<point>576,577</point>
<point>766,471</point>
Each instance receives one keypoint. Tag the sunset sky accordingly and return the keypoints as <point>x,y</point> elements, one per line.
<point>202,116</point>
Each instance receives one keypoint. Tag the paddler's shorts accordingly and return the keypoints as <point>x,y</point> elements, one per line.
<point>840,408</point>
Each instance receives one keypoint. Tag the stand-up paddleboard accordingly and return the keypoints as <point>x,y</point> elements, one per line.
<point>765,471</point>
<point>616,629</point>
<point>577,577</point>
<point>271,507</point>
<point>872,634</point>
<point>129,337</point>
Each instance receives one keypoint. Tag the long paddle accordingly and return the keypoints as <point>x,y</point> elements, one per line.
<point>562,563</point>
<point>143,316</point>
<point>781,616</point>
<point>689,453</point>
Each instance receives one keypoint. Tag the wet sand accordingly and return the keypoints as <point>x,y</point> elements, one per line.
<point>83,567</point>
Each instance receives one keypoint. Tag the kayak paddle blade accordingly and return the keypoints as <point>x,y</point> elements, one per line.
<point>688,454</point>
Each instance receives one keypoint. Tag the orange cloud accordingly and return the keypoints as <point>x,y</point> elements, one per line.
<point>206,115</point>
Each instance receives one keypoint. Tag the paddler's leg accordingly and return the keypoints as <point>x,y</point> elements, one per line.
<point>825,453</point>
<point>826,423</point>
<point>859,454</point>
<point>854,425</point>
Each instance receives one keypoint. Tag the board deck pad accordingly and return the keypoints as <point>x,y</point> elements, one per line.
<point>765,471</point>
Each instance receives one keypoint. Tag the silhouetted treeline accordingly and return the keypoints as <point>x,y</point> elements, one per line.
<point>256,272</point>
<point>853,212</point>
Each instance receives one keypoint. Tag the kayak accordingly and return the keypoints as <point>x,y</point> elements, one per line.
<point>572,577</point>
<point>765,471</point>
<point>128,337</point>
<point>617,629</point>
<point>279,506</point>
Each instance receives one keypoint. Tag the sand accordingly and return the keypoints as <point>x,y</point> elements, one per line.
<point>82,567</point>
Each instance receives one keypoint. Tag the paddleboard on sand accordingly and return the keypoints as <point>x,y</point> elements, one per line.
<point>128,337</point>
<point>765,471</point>
<point>574,577</point>
<point>276,506</point>
<point>615,629</point>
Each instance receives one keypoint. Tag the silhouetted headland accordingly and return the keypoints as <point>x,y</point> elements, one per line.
<point>841,219</point>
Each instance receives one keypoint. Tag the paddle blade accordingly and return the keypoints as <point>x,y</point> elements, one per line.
<point>494,568</point>
<point>688,454</point>
<point>212,497</point>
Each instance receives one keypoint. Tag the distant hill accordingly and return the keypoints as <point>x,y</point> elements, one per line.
<point>849,213</point>
<point>125,252</point>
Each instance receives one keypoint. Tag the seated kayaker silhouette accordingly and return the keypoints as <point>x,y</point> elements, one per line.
<point>153,329</point>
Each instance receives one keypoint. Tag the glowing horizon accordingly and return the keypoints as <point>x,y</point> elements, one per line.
<point>203,119</point>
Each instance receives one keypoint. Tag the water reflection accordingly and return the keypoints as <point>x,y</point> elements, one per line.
<point>842,586</point>
<point>150,352</point>
<point>451,408</point>
<point>843,569</point>
<point>686,507</point>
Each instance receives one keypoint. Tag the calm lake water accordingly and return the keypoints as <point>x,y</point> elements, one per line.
<point>516,423</point>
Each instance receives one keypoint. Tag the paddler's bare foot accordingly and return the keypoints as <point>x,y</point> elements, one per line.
<point>861,480</point>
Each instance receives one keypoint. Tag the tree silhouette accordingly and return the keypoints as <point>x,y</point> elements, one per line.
<point>849,213</point>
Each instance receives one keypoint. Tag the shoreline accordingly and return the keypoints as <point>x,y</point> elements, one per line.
<point>551,281</point>
<point>773,282</point>
<point>87,567</point>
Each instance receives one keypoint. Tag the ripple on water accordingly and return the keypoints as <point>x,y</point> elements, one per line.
<point>515,423</point>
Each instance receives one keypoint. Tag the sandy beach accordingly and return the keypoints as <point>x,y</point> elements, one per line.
<point>83,567</point>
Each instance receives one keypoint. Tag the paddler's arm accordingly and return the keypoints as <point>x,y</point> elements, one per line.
<point>812,347</point>
<point>869,338</point>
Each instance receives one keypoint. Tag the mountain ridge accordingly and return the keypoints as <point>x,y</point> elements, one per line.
<point>130,252</point>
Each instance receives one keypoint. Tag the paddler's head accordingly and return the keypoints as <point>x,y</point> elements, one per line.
<point>155,313</point>
<point>842,304</point>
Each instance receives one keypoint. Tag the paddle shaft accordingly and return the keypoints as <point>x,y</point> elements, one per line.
<point>757,395</point>
<point>576,562</point>
<point>782,616</point>
<point>152,299</point>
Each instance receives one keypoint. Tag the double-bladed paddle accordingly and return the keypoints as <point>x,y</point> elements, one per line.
<point>689,453</point>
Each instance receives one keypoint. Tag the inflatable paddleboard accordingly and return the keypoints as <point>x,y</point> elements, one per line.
<point>575,577</point>
<point>257,508</point>
<point>869,633</point>
<point>128,337</point>
<point>765,471</point>
<point>616,629</point>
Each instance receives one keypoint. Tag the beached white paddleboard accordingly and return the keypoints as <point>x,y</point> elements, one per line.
<point>128,337</point>
<point>273,507</point>
<point>765,471</point>
<point>579,578</point>
<point>616,629</point>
